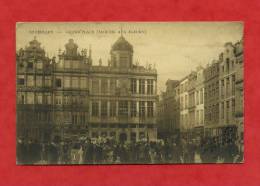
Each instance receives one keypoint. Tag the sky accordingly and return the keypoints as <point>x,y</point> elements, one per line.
<point>175,48</point>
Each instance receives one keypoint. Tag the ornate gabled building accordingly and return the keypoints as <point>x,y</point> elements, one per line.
<point>211,99</point>
<point>239,86</point>
<point>34,92</point>
<point>122,97</point>
<point>69,97</point>
<point>70,92</point>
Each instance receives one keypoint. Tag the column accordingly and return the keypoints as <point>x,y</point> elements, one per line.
<point>129,109</point>
<point>108,108</point>
<point>137,108</point>
<point>145,86</point>
<point>99,108</point>
<point>116,108</point>
<point>90,108</point>
<point>154,109</point>
<point>99,86</point>
<point>154,87</point>
<point>90,85</point>
<point>137,86</point>
<point>145,106</point>
<point>108,87</point>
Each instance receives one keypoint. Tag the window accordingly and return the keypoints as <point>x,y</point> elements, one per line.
<point>233,107</point>
<point>66,100</point>
<point>74,118</point>
<point>133,109</point>
<point>30,81</point>
<point>123,108</point>
<point>58,82</point>
<point>197,97</point>
<point>222,110</point>
<point>186,101</point>
<point>197,117</point>
<point>74,100</point>
<point>20,98</point>
<point>149,108</point>
<point>58,100</point>
<point>141,109</point>
<point>227,64</point>
<point>75,82</point>
<point>112,108</point>
<point>39,81</point>
<point>82,118</point>
<point>133,86</point>
<point>20,80</point>
<point>201,116</point>
<point>233,84</point>
<point>39,65</point>
<point>104,108</point>
<point>149,86</point>
<point>39,98</point>
<point>66,64</point>
<point>141,86</point>
<point>112,86</point>
<point>47,81</point>
<point>30,98</point>
<point>83,82</point>
<point>95,86</point>
<point>95,109</point>
<point>104,86</point>
<point>48,99</point>
<point>201,96</point>
<point>67,82</point>
<point>222,87</point>
<point>227,88</point>
<point>30,65</point>
<point>227,111</point>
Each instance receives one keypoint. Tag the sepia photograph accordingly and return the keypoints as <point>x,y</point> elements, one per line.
<point>95,93</point>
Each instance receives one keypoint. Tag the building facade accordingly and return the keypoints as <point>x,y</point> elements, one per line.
<point>227,80</point>
<point>211,96</point>
<point>168,117</point>
<point>123,97</point>
<point>69,97</point>
<point>184,111</point>
<point>239,92</point>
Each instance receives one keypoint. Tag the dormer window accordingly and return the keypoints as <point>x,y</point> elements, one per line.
<point>20,80</point>
<point>30,65</point>
<point>39,65</point>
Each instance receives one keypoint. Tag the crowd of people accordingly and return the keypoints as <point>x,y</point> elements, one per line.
<point>109,151</point>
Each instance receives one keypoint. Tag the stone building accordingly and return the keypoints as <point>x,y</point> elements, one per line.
<point>68,97</point>
<point>33,92</point>
<point>122,97</point>
<point>227,82</point>
<point>192,78</point>
<point>184,112</point>
<point>196,102</point>
<point>70,92</point>
<point>168,117</point>
<point>199,99</point>
<point>239,92</point>
<point>211,98</point>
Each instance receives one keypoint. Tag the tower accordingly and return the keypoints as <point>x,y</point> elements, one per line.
<point>121,53</point>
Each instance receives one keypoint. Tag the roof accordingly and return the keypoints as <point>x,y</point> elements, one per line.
<point>122,44</point>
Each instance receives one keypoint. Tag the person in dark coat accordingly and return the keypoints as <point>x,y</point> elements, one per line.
<point>21,152</point>
<point>53,153</point>
<point>89,152</point>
